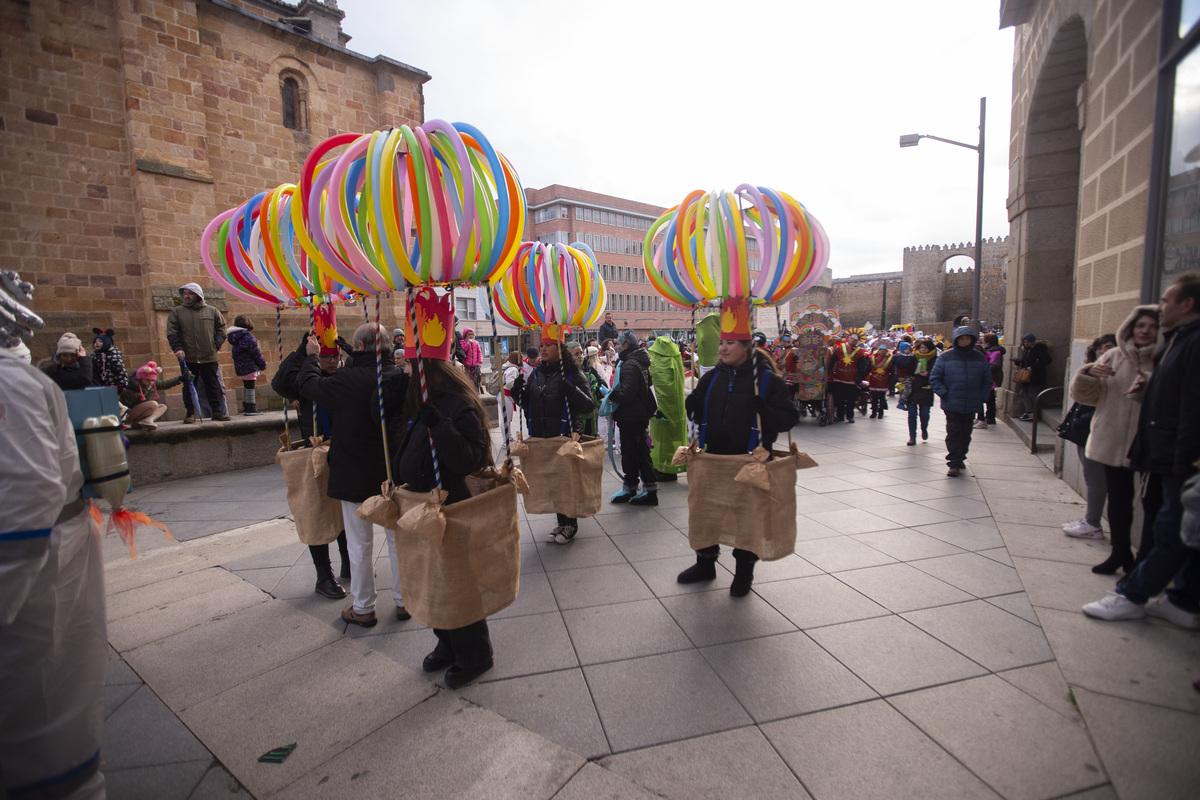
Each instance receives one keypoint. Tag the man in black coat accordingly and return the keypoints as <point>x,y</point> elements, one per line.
<point>635,405</point>
<point>357,465</point>
<point>608,328</point>
<point>1167,443</point>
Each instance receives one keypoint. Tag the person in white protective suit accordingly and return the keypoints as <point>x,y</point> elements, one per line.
<point>52,624</point>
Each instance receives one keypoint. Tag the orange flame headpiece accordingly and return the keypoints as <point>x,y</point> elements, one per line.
<point>325,327</point>
<point>435,325</point>
<point>735,318</point>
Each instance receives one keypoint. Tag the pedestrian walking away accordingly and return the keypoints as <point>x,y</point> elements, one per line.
<point>962,378</point>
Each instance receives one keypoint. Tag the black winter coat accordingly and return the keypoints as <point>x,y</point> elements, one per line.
<point>731,407</point>
<point>1037,358</point>
<point>76,376</point>
<point>544,396</point>
<point>285,384</point>
<point>356,454</point>
<point>1168,437</point>
<point>608,330</point>
<point>920,390</point>
<point>633,392</point>
<point>458,435</point>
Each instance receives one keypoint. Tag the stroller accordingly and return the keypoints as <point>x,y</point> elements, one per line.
<point>808,377</point>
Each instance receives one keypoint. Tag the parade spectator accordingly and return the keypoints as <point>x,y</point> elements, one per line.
<point>608,328</point>
<point>286,385</point>
<point>70,367</point>
<point>737,416</point>
<point>587,360</point>
<point>1094,479</point>
<point>532,357</point>
<point>1035,355</point>
<point>1167,444</point>
<point>995,353</point>
<point>356,455</point>
<point>196,331</point>
<point>554,399</point>
<point>634,404</point>
<point>961,378</point>
<point>455,420</point>
<point>141,396</point>
<point>918,395</point>
<point>108,362</point>
<point>398,341</point>
<point>472,358</point>
<point>511,369</point>
<point>248,361</point>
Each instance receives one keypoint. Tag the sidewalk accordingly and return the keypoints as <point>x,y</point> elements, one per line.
<point>924,641</point>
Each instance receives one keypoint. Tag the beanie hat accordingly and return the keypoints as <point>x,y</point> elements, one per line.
<point>105,337</point>
<point>532,352</point>
<point>397,332</point>
<point>149,372</point>
<point>905,348</point>
<point>629,338</point>
<point>1029,337</point>
<point>68,343</point>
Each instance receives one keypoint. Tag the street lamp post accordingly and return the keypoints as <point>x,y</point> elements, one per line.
<point>912,140</point>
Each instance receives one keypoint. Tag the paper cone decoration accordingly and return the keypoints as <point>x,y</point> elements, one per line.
<point>435,325</point>
<point>325,327</point>
<point>735,318</point>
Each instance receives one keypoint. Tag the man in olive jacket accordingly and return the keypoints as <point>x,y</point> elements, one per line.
<point>196,331</point>
<point>1167,443</point>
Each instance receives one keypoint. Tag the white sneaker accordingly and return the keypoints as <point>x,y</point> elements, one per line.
<point>1163,608</point>
<point>980,425</point>
<point>1082,529</point>
<point>553,535</point>
<point>1114,607</point>
<point>1072,523</point>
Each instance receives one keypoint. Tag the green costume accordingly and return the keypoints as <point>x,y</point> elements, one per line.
<point>708,339</point>
<point>669,432</point>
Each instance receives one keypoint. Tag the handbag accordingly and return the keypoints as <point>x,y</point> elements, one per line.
<point>1077,424</point>
<point>1022,374</point>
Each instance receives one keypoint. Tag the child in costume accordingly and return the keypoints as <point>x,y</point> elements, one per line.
<point>248,361</point>
<point>141,396</point>
<point>879,379</point>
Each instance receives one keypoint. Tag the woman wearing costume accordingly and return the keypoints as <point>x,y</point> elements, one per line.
<point>734,417</point>
<point>555,398</point>
<point>454,418</point>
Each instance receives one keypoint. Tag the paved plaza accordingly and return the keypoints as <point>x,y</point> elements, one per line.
<point>924,641</point>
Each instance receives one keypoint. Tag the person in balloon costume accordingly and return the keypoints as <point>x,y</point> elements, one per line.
<point>740,404</point>
<point>453,417</point>
<point>555,399</point>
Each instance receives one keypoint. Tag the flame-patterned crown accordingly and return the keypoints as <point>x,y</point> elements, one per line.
<point>435,325</point>
<point>554,332</point>
<point>325,327</point>
<point>735,318</point>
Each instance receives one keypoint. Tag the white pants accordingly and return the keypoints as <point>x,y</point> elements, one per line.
<point>506,410</point>
<point>53,659</point>
<point>360,541</point>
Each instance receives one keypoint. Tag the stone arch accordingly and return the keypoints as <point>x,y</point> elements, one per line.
<point>1044,210</point>
<point>960,262</point>
<point>296,85</point>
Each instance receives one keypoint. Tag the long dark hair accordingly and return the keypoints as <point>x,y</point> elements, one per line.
<point>1108,338</point>
<point>444,379</point>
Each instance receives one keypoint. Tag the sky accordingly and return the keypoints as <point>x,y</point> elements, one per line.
<point>650,99</point>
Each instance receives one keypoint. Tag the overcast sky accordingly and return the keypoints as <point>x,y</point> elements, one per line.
<point>649,99</point>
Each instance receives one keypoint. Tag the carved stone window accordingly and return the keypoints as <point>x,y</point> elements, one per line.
<point>294,95</point>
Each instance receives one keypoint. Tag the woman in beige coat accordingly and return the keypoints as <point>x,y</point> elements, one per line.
<point>1114,386</point>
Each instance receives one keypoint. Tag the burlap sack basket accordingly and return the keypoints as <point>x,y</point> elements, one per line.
<point>724,510</point>
<point>563,484</point>
<point>306,472</point>
<point>476,569</point>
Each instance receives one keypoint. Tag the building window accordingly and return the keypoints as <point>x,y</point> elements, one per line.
<point>603,217</point>
<point>578,213</point>
<point>292,95</point>
<point>465,308</point>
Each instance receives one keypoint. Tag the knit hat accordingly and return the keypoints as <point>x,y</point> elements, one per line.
<point>149,372</point>
<point>68,343</point>
<point>905,348</point>
<point>629,338</point>
<point>105,337</point>
<point>1029,337</point>
<point>591,351</point>
<point>397,332</point>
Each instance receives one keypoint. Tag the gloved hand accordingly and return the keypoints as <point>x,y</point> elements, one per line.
<point>428,416</point>
<point>759,404</point>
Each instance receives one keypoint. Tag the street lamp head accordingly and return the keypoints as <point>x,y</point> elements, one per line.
<point>910,139</point>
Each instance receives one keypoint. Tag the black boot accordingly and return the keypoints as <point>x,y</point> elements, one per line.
<point>743,576</point>
<point>344,552</point>
<point>327,586</point>
<point>705,569</point>
<point>1122,555</point>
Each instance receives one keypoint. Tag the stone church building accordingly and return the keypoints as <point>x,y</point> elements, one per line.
<point>126,125</point>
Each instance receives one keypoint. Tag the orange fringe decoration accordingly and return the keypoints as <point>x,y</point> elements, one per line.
<point>126,522</point>
<point>97,516</point>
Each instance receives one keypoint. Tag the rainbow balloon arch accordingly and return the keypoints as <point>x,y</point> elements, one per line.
<point>551,284</point>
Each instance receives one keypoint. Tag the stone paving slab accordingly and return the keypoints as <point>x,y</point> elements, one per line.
<point>899,653</point>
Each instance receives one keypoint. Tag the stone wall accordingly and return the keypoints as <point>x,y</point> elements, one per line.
<point>860,299</point>
<point>938,295</point>
<point>129,124</point>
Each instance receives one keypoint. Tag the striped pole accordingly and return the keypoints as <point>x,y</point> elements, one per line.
<point>692,427</point>
<point>437,475</point>
<point>387,460</point>
<point>279,336</point>
<point>312,329</point>
<point>502,398</point>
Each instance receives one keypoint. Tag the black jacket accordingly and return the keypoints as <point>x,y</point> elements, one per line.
<point>633,392</point>
<point>76,376</point>
<point>545,395</point>
<point>608,330</point>
<point>732,406</point>
<point>458,435</point>
<point>1168,437</point>
<point>1036,358</point>
<point>284,384</point>
<point>356,455</point>
<point>920,390</point>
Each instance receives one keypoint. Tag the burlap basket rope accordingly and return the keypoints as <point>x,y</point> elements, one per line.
<point>743,501</point>
<point>459,563</point>
<point>563,474</point>
<point>306,472</point>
